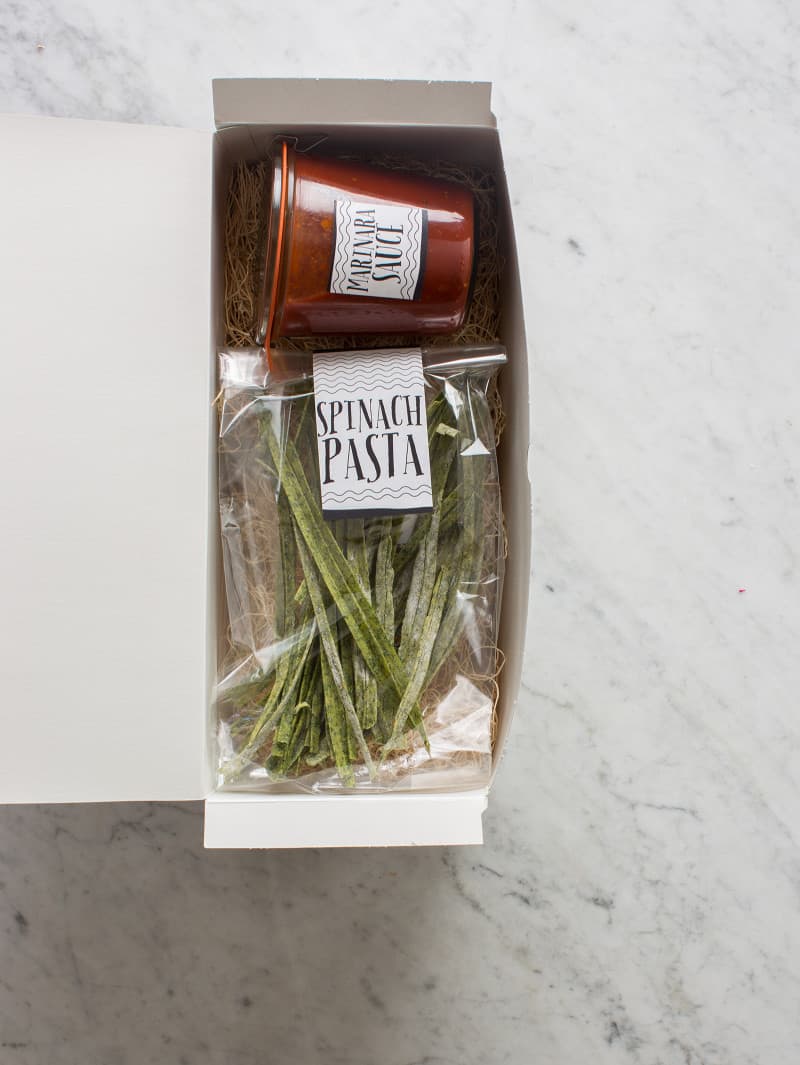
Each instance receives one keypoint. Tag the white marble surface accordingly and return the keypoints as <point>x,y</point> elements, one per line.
<point>638,899</point>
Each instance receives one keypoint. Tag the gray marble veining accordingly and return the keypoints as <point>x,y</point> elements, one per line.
<point>638,898</point>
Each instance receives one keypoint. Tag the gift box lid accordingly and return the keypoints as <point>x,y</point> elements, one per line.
<point>104,330</point>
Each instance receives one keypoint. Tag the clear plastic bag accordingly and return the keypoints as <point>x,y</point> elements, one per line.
<point>361,654</point>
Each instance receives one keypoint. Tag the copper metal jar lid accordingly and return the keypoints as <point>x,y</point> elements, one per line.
<point>271,245</point>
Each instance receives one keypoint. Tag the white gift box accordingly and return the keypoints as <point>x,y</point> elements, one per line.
<point>111,289</point>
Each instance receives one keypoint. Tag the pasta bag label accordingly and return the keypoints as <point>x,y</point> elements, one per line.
<point>378,250</point>
<point>372,433</point>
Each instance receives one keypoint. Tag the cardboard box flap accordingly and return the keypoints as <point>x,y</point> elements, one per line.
<point>104,331</point>
<point>293,102</point>
<point>402,819</point>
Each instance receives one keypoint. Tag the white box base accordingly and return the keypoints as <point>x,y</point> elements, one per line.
<point>111,571</point>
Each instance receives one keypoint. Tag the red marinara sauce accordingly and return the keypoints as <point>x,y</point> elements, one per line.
<point>353,248</point>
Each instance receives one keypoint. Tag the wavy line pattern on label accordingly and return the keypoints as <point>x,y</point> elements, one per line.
<point>348,385</point>
<point>367,493</point>
<point>343,245</point>
<point>412,259</point>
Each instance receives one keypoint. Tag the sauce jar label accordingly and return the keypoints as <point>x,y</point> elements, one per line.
<point>372,433</point>
<point>379,250</point>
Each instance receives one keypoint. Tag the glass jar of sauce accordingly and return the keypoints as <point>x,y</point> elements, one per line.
<point>353,248</point>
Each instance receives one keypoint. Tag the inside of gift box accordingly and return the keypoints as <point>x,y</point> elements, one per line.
<point>470,155</point>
